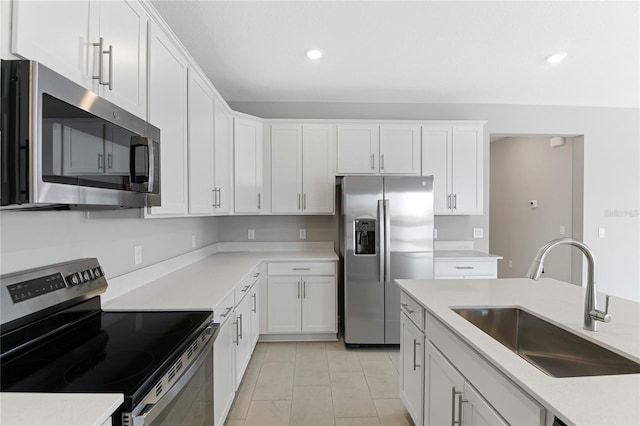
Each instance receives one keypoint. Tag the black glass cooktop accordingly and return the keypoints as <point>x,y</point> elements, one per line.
<point>119,352</point>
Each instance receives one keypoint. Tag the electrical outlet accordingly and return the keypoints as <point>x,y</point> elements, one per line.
<point>510,263</point>
<point>193,241</point>
<point>435,232</point>
<point>137,255</point>
<point>303,234</point>
<point>251,234</point>
<point>562,230</point>
<point>600,232</point>
<point>478,233</point>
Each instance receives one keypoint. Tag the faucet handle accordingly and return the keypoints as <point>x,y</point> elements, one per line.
<point>599,315</point>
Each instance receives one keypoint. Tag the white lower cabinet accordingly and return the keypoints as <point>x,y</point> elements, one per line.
<point>242,339</point>
<point>300,299</point>
<point>411,368</point>
<point>444,382</point>
<point>224,383</point>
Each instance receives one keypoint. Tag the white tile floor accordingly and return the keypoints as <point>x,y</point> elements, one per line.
<point>318,383</point>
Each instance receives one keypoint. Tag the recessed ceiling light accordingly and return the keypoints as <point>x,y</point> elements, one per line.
<point>314,54</point>
<point>558,57</point>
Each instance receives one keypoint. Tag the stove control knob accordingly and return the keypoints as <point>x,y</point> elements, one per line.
<point>87,275</point>
<point>97,272</point>
<point>74,279</point>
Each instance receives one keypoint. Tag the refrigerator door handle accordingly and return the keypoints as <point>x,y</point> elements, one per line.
<point>382,240</point>
<point>387,241</point>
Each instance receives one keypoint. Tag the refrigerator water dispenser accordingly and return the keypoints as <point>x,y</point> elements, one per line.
<point>365,236</point>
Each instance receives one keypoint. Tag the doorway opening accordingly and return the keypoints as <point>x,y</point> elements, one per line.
<point>536,195</point>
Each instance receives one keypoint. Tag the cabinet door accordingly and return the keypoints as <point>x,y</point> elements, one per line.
<point>286,168</point>
<point>400,149</point>
<point>243,338</point>
<point>411,368</point>
<point>477,412</point>
<point>56,34</point>
<point>255,315</point>
<point>122,24</point>
<point>318,168</point>
<point>223,157</point>
<point>443,389</point>
<point>358,149</point>
<point>466,169</point>
<point>224,372</point>
<point>200,146</point>
<point>168,111</point>
<point>283,304</point>
<point>436,142</point>
<point>319,304</point>
<point>247,165</point>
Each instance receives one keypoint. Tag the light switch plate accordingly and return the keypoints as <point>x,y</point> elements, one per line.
<point>303,234</point>
<point>137,255</point>
<point>251,234</point>
<point>478,233</point>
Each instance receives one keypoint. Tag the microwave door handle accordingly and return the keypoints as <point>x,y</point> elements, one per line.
<point>137,141</point>
<point>152,411</point>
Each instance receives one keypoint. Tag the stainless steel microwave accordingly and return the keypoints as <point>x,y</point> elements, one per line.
<point>62,146</point>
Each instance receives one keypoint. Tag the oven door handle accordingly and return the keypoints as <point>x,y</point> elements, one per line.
<point>152,411</point>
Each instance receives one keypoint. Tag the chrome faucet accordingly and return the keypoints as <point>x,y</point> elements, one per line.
<point>591,313</point>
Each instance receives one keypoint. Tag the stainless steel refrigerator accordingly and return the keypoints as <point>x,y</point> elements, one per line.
<point>386,234</point>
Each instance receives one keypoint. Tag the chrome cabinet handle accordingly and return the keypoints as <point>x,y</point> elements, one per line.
<point>256,275</point>
<point>301,269</point>
<point>464,267</point>
<point>240,327</point>
<point>259,201</point>
<point>457,394</point>
<point>372,161</point>
<point>99,46</point>
<point>100,162</point>
<point>245,288</point>
<point>226,311</point>
<point>237,341</point>
<point>304,289</point>
<point>406,306</point>
<point>448,201</point>
<point>110,53</point>
<point>415,345</point>
<point>299,203</point>
<point>304,201</point>
<point>298,289</point>
<point>110,160</point>
<point>455,201</point>
<point>255,303</point>
<point>381,161</point>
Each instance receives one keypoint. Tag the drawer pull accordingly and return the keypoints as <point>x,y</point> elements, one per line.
<point>465,267</point>
<point>245,288</point>
<point>226,311</point>
<point>301,269</point>
<point>406,306</point>
<point>256,275</point>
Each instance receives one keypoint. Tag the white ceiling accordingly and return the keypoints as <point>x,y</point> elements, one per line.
<point>415,51</point>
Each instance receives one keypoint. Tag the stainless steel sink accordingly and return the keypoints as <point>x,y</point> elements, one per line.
<point>555,351</point>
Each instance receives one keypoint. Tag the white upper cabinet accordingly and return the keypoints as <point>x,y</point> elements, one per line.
<point>202,195</point>
<point>399,149</point>
<point>358,146</point>
<point>247,160</point>
<point>168,111</point>
<point>302,168</point>
<point>122,29</point>
<point>453,154</point>
<point>75,38</point>
<point>378,149</point>
<point>223,158</point>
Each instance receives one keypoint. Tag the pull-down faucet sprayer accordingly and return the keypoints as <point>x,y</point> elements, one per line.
<point>591,313</point>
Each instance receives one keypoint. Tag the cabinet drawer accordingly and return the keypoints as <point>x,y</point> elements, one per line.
<point>254,274</point>
<point>222,311</point>
<point>299,268</point>
<point>465,269</point>
<point>413,310</point>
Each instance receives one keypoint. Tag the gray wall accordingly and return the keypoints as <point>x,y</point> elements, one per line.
<point>611,165</point>
<point>31,239</point>
<point>525,169</point>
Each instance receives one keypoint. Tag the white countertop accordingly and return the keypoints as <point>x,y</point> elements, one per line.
<point>595,400</point>
<point>203,284</point>
<point>57,409</point>
<point>463,255</point>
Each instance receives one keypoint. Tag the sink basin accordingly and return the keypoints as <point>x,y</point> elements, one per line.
<point>555,351</point>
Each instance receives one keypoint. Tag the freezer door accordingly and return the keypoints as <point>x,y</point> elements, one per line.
<point>408,241</point>
<point>363,282</point>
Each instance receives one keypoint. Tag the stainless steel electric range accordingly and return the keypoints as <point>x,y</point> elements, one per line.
<point>56,338</point>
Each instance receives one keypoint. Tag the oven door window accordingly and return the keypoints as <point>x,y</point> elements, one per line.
<point>81,149</point>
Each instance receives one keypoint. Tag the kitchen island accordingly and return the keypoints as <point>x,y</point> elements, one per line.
<point>592,400</point>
